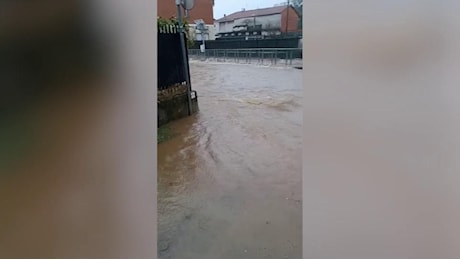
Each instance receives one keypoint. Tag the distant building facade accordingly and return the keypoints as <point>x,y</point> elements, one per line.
<point>203,9</point>
<point>258,23</point>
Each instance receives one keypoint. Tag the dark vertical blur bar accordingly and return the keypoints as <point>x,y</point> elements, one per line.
<point>77,129</point>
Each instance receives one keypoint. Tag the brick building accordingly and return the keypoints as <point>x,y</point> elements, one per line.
<point>203,9</point>
<point>259,23</point>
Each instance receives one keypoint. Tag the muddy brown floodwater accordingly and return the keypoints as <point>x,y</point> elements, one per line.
<point>229,181</point>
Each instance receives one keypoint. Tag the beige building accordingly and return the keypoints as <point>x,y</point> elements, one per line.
<point>259,22</point>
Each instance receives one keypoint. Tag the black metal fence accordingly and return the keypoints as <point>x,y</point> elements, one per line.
<point>292,42</point>
<point>261,56</point>
<point>170,61</point>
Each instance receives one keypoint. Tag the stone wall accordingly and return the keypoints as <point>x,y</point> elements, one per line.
<point>171,92</point>
<point>173,104</point>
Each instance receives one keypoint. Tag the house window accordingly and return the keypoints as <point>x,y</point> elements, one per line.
<point>255,33</point>
<point>247,33</point>
<point>239,33</point>
<point>226,34</point>
<point>233,34</point>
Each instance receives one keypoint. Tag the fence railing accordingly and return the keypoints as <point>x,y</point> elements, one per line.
<point>171,69</point>
<point>272,56</point>
<point>291,42</point>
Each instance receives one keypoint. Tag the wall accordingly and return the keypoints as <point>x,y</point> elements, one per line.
<point>175,108</point>
<point>226,26</point>
<point>267,21</point>
<point>203,9</point>
<point>292,18</point>
<point>210,34</point>
<point>216,27</point>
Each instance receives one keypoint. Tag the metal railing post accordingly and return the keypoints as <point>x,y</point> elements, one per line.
<point>261,56</point>
<point>286,58</point>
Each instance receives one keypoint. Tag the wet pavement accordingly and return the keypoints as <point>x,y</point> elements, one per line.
<point>229,181</point>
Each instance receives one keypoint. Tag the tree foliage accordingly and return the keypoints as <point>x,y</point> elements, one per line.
<point>161,22</point>
<point>173,21</point>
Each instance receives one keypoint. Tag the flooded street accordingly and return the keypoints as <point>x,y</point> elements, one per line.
<point>229,180</point>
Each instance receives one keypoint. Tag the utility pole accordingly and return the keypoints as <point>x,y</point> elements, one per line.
<point>287,16</point>
<point>184,56</point>
<point>254,26</point>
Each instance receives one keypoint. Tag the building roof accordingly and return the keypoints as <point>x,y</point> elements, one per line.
<point>251,13</point>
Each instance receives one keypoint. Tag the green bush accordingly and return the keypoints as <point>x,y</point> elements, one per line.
<point>162,22</point>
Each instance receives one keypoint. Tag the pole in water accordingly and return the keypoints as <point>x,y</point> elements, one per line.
<point>184,57</point>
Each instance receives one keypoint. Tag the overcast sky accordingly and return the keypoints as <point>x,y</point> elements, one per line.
<point>227,7</point>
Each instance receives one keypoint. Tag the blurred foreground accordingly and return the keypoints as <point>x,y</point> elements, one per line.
<point>67,106</point>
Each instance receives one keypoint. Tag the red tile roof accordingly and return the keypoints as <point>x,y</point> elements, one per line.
<point>251,13</point>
